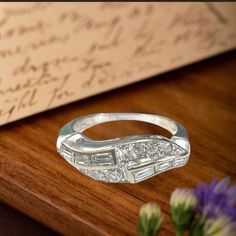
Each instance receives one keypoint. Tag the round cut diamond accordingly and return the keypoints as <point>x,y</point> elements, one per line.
<point>115,175</point>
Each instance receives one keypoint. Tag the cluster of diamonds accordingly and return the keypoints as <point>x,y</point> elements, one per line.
<point>132,157</point>
<point>132,154</point>
<point>137,154</point>
<point>112,175</point>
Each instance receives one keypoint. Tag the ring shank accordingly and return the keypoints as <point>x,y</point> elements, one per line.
<point>86,122</point>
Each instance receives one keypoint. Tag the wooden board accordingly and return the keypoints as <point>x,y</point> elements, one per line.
<point>37,181</point>
<point>13,222</point>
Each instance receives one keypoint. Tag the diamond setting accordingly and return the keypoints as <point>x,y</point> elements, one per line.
<point>103,159</point>
<point>129,161</point>
<point>113,175</point>
<point>126,159</point>
<point>132,154</point>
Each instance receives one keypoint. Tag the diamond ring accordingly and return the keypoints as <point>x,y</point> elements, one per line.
<point>127,159</point>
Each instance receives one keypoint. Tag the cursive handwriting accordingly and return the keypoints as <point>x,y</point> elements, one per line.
<point>95,69</point>
<point>51,54</point>
<point>59,92</point>
<point>23,30</point>
<point>23,102</point>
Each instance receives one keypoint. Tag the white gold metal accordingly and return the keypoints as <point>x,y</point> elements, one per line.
<point>127,159</point>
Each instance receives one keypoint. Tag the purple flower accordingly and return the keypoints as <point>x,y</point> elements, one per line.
<point>216,198</point>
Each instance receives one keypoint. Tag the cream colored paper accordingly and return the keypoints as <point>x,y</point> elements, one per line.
<point>55,53</point>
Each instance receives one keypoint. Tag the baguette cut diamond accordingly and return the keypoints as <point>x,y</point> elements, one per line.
<point>82,159</point>
<point>165,166</point>
<point>144,173</point>
<point>103,159</point>
<point>180,162</point>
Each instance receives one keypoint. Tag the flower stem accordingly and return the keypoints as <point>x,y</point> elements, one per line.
<point>179,232</point>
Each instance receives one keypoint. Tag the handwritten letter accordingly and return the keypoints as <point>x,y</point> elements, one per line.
<point>55,53</point>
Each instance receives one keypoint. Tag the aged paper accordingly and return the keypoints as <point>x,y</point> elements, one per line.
<point>55,53</point>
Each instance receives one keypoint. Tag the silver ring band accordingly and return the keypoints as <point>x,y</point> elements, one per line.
<point>127,159</point>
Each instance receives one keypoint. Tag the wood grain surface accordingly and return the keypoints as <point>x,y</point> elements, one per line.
<point>37,181</point>
<point>15,223</point>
